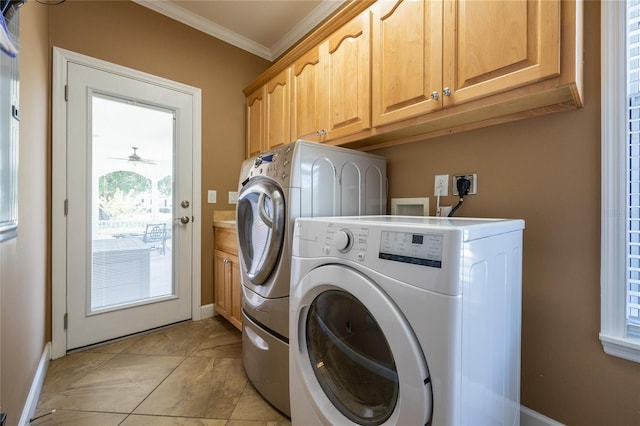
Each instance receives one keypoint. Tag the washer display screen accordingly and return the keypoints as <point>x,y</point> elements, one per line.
<point>414,248</point>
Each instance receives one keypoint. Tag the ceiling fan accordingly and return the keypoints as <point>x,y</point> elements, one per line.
<point>134,158</point>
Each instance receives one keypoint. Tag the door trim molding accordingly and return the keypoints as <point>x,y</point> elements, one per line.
<point>61,58</point>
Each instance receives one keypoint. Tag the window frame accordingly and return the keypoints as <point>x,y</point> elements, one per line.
<point>9,129</point>
<point>613,274</point>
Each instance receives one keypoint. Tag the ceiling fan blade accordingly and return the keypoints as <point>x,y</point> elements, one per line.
<point>134,157</point>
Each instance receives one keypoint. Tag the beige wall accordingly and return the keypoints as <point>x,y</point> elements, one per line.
<point>545,170</point>
<point>24,261</point>
<point>127,34</point>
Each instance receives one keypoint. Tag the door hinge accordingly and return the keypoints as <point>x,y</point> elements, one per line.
<point>66,93</point>
<point>66,207</point>
<point>66,320</point>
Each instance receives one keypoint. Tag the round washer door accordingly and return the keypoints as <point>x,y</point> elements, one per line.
<point>260,225</point>
<point>358,357</point>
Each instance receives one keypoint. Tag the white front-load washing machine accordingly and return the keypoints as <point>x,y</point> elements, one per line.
<point>398,320</point>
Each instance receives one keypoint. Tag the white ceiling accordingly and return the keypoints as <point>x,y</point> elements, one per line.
<point>266,28</point>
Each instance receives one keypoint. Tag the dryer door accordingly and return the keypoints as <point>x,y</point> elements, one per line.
<point>261,224</point>
<point>357,356</point>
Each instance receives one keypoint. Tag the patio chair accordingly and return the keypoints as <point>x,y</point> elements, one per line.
<point>155,236</point>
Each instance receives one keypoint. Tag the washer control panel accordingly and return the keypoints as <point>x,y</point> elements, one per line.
<point>414,248</point>
<point>423,249</point>
<point>346,239</point>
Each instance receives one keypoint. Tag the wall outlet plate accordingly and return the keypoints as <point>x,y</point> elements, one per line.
<point>233,197</point>
<point>473,177</point>
<point>211,196</point>
<point>442,182</point>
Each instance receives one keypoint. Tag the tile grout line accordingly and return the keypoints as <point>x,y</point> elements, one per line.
<point>155,388</point>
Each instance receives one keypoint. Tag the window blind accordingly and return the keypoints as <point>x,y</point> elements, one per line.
<point>633,166</point>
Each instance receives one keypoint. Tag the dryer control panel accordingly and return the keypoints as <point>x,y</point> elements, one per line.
<point>274,164</point>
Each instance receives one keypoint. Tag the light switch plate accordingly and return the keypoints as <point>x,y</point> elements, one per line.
<point>211,196</point>
<point>233,197</point>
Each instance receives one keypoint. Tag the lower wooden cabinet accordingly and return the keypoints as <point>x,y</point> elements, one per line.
<point>227,288</point>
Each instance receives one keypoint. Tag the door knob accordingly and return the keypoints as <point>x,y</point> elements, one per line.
<point>184,219</point>
<point>184,204</point>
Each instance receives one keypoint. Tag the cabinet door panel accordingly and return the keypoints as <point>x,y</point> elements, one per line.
<point>306,102</point>
<point>255,122</point>
<point>277,122</point>
<point>346,55</point>
<point>236,293</point>
<point>493,46</point>
<point>220,289</point>
<point>407,58</point>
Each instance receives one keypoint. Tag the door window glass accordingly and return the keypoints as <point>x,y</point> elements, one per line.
<point>351,358</point>
<point>132,197</point>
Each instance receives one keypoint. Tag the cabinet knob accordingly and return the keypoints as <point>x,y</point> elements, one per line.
<point>321,132</point>
<point>435,96</point>
<point>226,260</point>
<point>446,91</point>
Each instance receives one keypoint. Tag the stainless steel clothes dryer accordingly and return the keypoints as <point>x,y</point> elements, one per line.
<point>301,179</point>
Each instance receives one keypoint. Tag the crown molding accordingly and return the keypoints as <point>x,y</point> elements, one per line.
<point>311,21</point>
<point>207,27</point>
<point>316,17</point>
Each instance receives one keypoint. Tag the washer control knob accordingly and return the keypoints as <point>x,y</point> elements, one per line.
<point>343,240</point>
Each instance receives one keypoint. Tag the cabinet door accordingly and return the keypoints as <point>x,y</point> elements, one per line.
<point>407,59</point>
<point>255,122</point>
<point>492,46</point>
<point>235,288</point>
<point>346,56</point>
<point>306,104</point>
<point>278,115</point>
<point>222,298</point>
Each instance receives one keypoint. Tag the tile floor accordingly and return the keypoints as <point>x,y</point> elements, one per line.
<point>187,374</point>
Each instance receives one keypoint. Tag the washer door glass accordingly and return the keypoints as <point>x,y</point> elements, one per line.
<point>260,224</point>
<point>351,358</point>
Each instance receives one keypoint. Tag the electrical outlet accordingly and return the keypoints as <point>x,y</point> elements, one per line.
<point>441,182</point>
<point>473,177</point>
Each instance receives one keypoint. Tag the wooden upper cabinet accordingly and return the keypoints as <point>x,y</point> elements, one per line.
<point>255,122</point>
<point>306,104</point>
<point>331,94</point>
<point>347,94</point>
<point>277,111</point>
<point>268,115</point>
<point>395,71</point>
<point>493,46</point>
<point>407,59</point>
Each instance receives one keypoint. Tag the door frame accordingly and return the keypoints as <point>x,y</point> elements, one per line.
<point>61,58</point>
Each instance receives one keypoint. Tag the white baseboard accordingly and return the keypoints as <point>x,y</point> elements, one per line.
<point>207,311</point>
<point>36,386</point>
<point>528,417</point>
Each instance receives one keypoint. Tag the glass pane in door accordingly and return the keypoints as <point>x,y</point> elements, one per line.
<point>132,161</point>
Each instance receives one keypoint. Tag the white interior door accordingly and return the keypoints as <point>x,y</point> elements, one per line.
<point>129,205</point>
